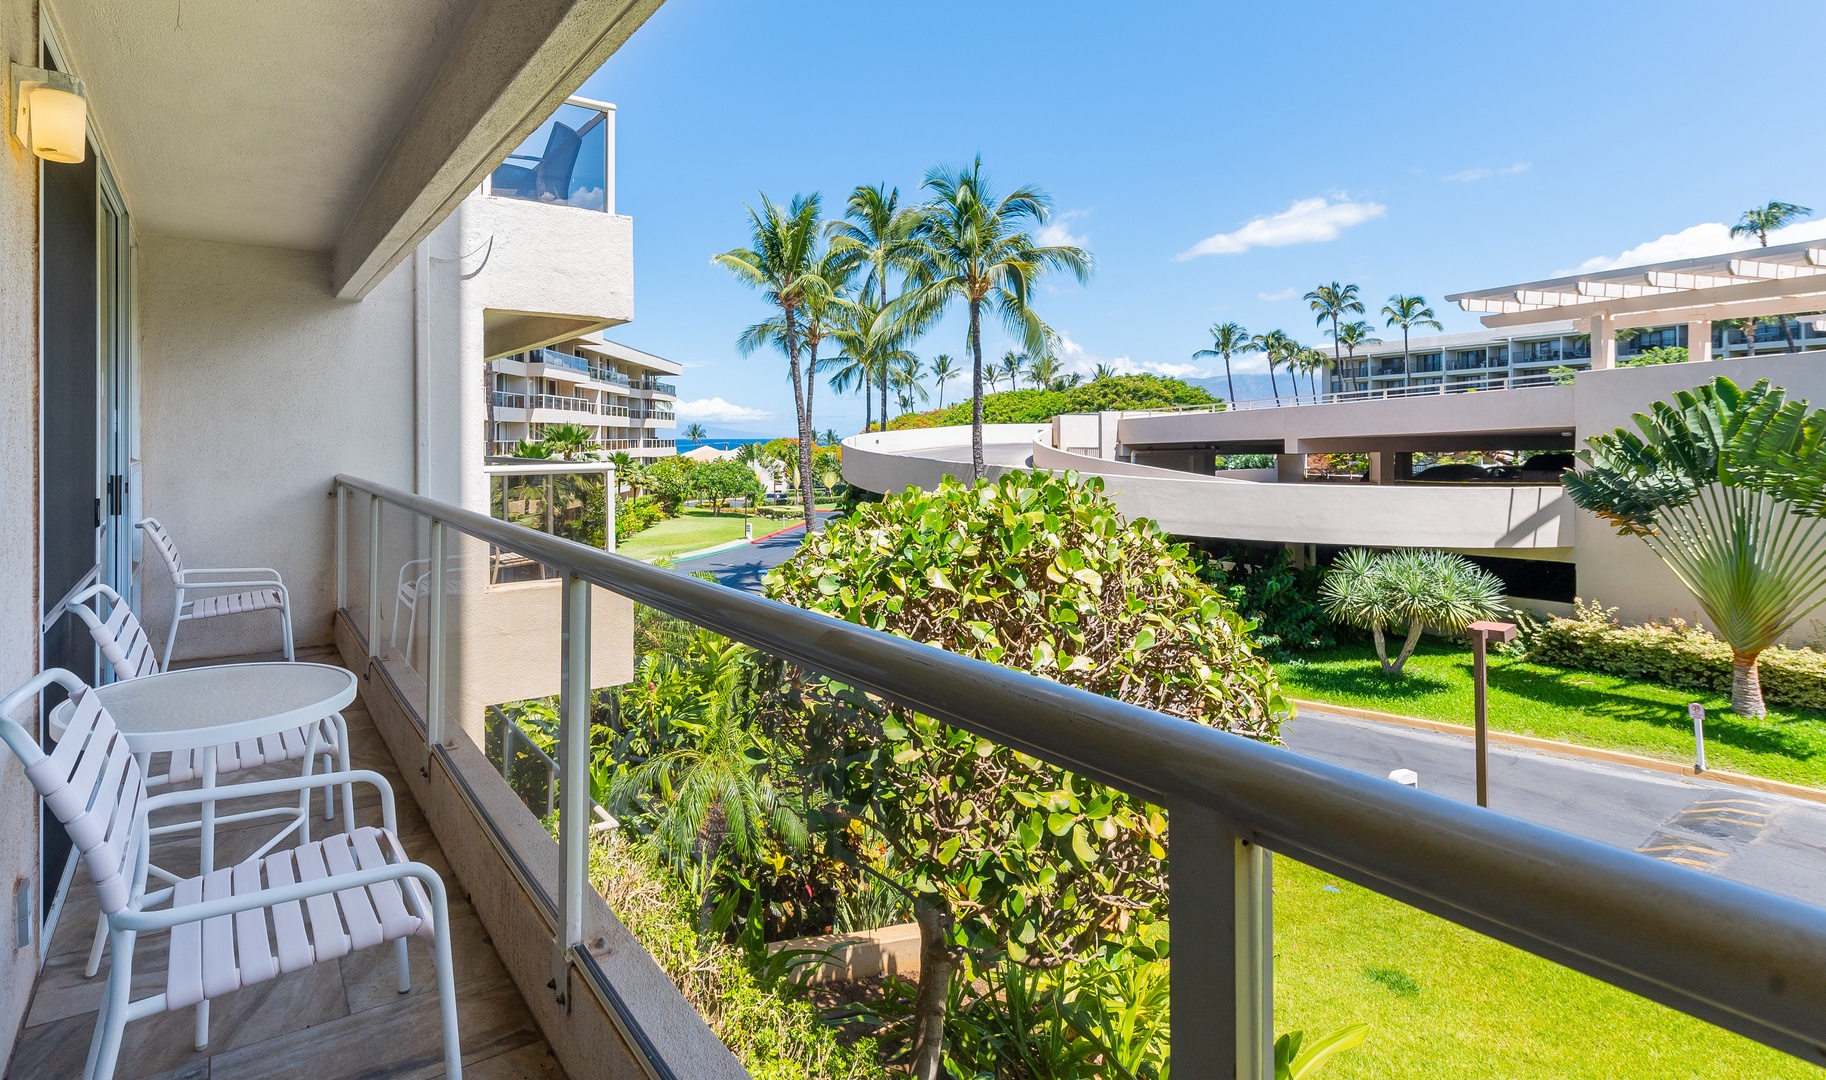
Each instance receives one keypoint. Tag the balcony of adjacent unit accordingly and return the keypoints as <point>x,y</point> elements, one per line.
<point>649,384</point>
<point>565,367</point>
<point>567,161</point>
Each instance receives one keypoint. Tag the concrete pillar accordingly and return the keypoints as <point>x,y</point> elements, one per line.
<point>1603,342</point>
<point>1290,468</point>
<point>1699,339</point>
<point>1390,467</point>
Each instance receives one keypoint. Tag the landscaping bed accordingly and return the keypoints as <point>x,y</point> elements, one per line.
<point>1594,709</point>
<point>691,529</point>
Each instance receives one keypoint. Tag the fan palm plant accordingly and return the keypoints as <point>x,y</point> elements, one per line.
<point>1330,303</point>
<point>944,369</point>
<point>1728,488</point>
<point>1408,312</point>
<point>695,432</point>
<point>980,250</point>
<point>1411,589</point>
<point>1227,340</point>
<point>536,449</point>
<point>569,441</point>
<point>783,262</point>
<point>880,234</point>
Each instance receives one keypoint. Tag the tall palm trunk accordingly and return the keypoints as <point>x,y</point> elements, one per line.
<point>1228,381</point>
<point>977,470</point>
<point>1272,385</point>
<point>882,275</point>
<point>805,421</point>
<point>1746,686</point>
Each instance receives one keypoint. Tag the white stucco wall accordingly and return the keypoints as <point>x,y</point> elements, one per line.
<point>19,522</point>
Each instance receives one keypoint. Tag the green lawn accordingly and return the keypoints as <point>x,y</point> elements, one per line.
<point>1574,706</point>
<point>1442,1001</point>
<point>692,529</point>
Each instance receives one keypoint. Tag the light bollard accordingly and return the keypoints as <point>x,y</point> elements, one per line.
<point>1482,633</point>
<point>1698,713</point>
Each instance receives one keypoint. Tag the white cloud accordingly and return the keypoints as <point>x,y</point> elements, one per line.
<point>716,408</point>
<point>1073,358</point>
<point>1467,176</point>
<point>1308,221</point>
<point>1057,232</point>
<point>1276,297</point>
<point>1695,241</point>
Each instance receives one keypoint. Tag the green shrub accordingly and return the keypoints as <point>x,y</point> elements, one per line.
<point>1038,406</point>
<point>774,1034</point>
<point>1675,653</point>
<point>636,514</point>
<point>1282,601</point>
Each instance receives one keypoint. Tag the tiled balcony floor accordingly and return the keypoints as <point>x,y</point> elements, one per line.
<point>342,1019</point>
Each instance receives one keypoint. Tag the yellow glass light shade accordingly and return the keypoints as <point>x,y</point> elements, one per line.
<point>59,125</point>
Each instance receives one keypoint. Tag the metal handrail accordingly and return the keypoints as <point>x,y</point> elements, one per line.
<point>1730,954</point>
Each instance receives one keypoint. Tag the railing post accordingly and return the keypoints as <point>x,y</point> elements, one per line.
<point>1220,901</point>
<point>434,643</point>
<point>342,548</point>
<point>374,505</point>
<point>573,778</point>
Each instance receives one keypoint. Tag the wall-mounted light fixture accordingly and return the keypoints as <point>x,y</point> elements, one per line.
<point>50,113</point>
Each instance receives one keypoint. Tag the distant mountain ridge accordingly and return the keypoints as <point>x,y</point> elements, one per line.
<point>1252,386</point>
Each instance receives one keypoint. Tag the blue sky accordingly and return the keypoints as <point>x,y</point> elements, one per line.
<point>1415,148</point>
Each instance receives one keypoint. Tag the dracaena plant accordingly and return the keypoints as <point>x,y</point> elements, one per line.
<point>1410,589</point>
<point>1728,488</point>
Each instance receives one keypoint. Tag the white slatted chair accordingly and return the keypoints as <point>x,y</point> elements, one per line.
<point>239,925</point>
<point>415,585</point>
<point>126,647</point>
<point>248,589</point>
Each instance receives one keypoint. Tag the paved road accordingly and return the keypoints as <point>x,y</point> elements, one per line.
<point>742,568</point>
<point>1770,841</point>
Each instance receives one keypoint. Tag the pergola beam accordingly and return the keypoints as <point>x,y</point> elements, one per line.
<point>1773,271</point>
<point>1673,305</point>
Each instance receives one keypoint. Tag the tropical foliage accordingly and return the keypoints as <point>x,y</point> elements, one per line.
<point>1728,488</point>
<point>1281,600</point>
<point>1037,406</point>
<point>1005,855</point>
<point>1413,589</point>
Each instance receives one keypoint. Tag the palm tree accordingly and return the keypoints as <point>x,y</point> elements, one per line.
<point>907,374</point>
<point>871,341</point>
<point>1275,345</point>
<point>1728,488</point>
<point>1331,303</point>
<point>848,373</point>
<point>944,369</point>
<point>1408,312</point>
<point>783,263</point>
<point>568,441</point>
<point>628,471</point>
<point>1104,371</point>
<point>1313,362</point>
<point>696,433</point>
<point>1227,340</point>
<point>882,235</point>
<point>1353,336</point>
<point>1411,589</point>
<point>1043,371</point>
<point>710,789</point>
<point>980,250</point>
<point>1013,363</point>
<point>1760,221</point>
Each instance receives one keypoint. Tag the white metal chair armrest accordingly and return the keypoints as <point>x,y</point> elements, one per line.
<point>282,785</point>
<point>270,576</point>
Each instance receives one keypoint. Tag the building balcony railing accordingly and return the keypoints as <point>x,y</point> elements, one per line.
<point>565,403</point>
<point>1423,364</point>
<point>657,386</point>
<point>1729,954</point>
<point>1465,363</point>
<point>1390,367</point>
<point>596,370</point>
<point>504,400</point>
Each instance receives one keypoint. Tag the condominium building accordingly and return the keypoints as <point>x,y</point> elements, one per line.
<point>625,398</point>
<point>1531,356</point>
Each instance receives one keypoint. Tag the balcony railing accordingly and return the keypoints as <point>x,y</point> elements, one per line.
<point>657,386</point>
<point>566,162</point>
<point>594,369</point>
<point>504,400</point>
<point>1729,954</point>
<point>564,403</point>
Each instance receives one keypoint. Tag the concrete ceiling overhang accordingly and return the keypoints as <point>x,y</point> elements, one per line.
<point>351,127</point>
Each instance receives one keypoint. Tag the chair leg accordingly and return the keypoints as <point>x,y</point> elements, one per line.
<point>104,1049</point>
<point>202,1033</point>
<point>329,797</point>
<point>285,630</point>
<point>446,981</point>
<point>171,636</point>
<point>348,790</point>
<point>403,962</point>
<point>304,797</point>
<point>96,947</point>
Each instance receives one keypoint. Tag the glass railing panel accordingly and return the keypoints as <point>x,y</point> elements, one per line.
<point>1442,1000</point>
<point>357,508</point>
<point>405,586</point>
<point>564,162</point>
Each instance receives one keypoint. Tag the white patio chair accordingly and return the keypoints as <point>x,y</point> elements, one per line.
<point>414,585</point>
<point>239,925</point>
<point>126,647</point>
<point>248,589</point>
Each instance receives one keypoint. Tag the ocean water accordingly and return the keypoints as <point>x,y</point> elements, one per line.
<point>688,445</point>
